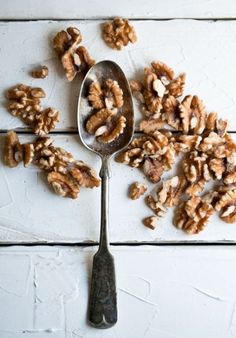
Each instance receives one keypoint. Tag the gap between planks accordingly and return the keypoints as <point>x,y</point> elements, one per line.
<point>89,19</point>
<point>128,244</point>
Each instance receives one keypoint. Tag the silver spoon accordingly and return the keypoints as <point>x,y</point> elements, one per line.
<point>102,302</point>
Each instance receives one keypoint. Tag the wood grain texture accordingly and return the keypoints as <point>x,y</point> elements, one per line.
<point>31,212</point>
<point>161,292</point>
<point>204,50</point>
<point>73,9</point>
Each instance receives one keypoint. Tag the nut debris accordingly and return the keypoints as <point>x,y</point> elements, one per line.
<point>40,73</point>
<point>150,222</point>
<point>136,190</point>
<point>118,33</point>
<point>13,152</point>
<point>74,57</point>
<point>25,103</point>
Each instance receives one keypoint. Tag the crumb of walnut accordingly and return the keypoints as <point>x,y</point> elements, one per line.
<point>108,95</point>
<point>136,190</point>
<point>84,175</point>
<point>13,152</point>
<point>40,73</point>
<point>63,185</point>
<point>153,169</point>
<point>100,118</point>
<point>112,133</point>
<point>74,58</point>
<point>25,103</point>
<point>118,33</point>
<point>193,215</point>
<point>150,222</point>
<point>193,116</point>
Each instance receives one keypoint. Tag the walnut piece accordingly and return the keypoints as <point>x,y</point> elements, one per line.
<point>193,215</point>
<point>167,196</point>
<point>109,95</point>
<point>13,152</point>
<point>100,118</point>
<point>25,103</point>
<point>84,175</point>
<point>74,58</point>
<point>226,204</point>
<point>40,73</point>
<point>150,222</point>
<point>118,33</point>
<point>136,190</point>
<point>154,153</point>
<point>117,128</point>
<point>63,185</point>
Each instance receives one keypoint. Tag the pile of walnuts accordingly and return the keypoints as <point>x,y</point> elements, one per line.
<point>65,174</point>
<point>174,127</point>
<point>106,99</point>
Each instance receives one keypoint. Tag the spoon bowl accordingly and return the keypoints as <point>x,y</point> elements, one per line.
<point>99,72</point>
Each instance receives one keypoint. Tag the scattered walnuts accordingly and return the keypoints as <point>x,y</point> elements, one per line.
<point>74,58</point>
<point>207,151</point>
<point>25,103</point>
<point>118,33</point>
<point>64,173</point>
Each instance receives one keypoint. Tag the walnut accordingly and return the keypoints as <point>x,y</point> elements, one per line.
<point>192,215</point>
<point>26,104</point>
<point>100,118</point>
<point>46,121</point>
<point>109,95</point>
<point>40,73</point>
<point>154,153</point>
<point>28,153</point>
<point>159,84</point>
<point>118,33</point>
<point>13,152</point>
<point>136,190</point>
<point>217,125</point>
<point>148,126</point>
<point>193,116</point>
<point>153,169</point>
<point>196,171</point>
<point>150,222</point>
<point>186,143</point>
<point>167,196</point>
<point>113,132</point>
<point>63,185</point>
<point>84,175</point>
<point>74,58</point>
<point>226,204</point>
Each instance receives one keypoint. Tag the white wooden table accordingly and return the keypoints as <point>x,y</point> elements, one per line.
<point>170,285</point>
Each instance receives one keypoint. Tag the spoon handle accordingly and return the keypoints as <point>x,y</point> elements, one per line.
<point>102,303</point>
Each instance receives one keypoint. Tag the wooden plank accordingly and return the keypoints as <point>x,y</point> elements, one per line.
<point>72,9</point>
<point>31,212</point>
<point>44,292</point>
<point>205,50</point>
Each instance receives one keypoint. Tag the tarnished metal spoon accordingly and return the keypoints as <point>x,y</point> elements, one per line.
<point>102,302</point>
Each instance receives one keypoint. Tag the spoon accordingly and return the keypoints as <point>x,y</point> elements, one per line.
<point>102,301</point>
